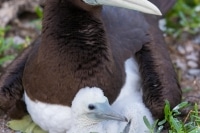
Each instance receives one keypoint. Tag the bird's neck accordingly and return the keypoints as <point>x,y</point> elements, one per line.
<point>72,32</point>
<point>74,44</point>
<point>84,122</point>
<point>67,24</point>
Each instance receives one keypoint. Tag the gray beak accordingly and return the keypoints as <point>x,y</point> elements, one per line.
<point>105,112</point>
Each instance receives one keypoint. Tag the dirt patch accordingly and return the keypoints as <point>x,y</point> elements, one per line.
<point>3,121</point>
<point>185,56</point>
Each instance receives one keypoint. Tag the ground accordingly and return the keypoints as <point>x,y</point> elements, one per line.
<point>184,52</point>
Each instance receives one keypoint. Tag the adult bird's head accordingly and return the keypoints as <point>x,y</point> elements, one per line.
<point>139,5</point>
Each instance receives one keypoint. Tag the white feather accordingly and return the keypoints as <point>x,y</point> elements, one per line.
<point>129,103</point>
<point>50,117</point>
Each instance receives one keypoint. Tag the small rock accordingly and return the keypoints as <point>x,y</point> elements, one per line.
<point>18,40</point>
<point>192,56</point>
<point>181,64</point>
<point>189,48</point>
<point>197,9</point>
<point>181,50</point>
<point>6,14</point>
<point>192,64</point>
<point>197,40</point>
<point>194,72</point>
<point>189,77</point>
<point>162,24</point>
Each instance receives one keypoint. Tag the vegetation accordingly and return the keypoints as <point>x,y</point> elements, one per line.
<point>191,124</point>
<point>184,17</point>
<point>8,47</point>
<point>37,22</point>
<point>25,125</point>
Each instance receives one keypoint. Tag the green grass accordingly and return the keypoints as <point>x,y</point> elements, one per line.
<point>191,124</point>
<point>39,12</point>
<point>184,18</point>
<point>37,22</point>
<point>8,47</point>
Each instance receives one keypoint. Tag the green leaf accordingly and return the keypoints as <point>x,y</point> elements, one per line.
<point>180,106</point>
<point>196,130</point>
<point>39,12</point>
<point>160,128</point>
<point>167,109</point>
<point>154,124</point>
<point>20,125</point>
<point>176,124</point>
<point>37,129</point>
<point>25,125</point>
<point>30,128</point>
<point>6,58</point>
<point>147,123</point>
<point>183,18</point>
<point>162,122</point>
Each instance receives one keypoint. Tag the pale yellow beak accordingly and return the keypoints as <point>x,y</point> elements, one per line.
<point>139,5</point>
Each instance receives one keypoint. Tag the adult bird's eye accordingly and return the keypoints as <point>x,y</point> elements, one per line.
<point>91,107</point>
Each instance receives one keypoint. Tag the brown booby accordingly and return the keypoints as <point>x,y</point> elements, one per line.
<point>86,45</point>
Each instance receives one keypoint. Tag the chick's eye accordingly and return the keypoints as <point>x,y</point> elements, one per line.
<point>91,107</point>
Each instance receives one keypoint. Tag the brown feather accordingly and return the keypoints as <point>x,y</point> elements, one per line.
<point>11,88</point>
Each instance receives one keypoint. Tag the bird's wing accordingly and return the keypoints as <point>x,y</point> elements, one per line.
<point>11,88</point>
<point>131,32</point>
<point>159,79</point>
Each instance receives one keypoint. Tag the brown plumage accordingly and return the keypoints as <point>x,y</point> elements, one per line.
<point>82,45</point>
<point>11,88</point>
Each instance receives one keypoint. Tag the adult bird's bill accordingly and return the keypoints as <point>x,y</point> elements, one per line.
<point>139,5</point>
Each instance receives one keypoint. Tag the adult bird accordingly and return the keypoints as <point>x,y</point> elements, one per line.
<point>85,44</point>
